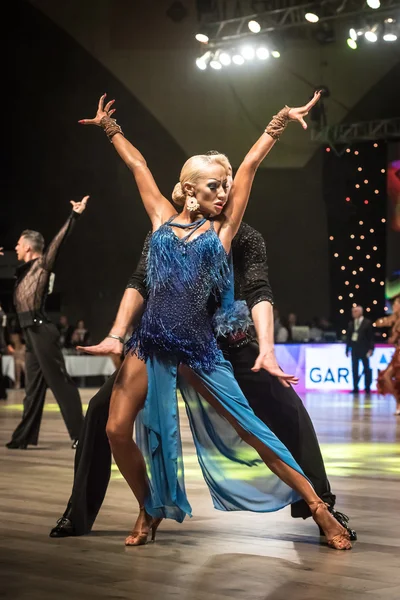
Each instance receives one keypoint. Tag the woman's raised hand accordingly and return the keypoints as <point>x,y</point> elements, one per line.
<point>298,114</point>
<point>102,111</point>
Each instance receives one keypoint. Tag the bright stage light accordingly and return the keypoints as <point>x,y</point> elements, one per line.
<point>238,59</point>
<point>374,3</point>
<point>353,34</point>
<point>254,26</point>
<point>352,44</point>
<point>262,53</point>
<point>276,54</point>
<point>370,35</point>
<point>215,64</point>
<point>202,37</point>
<point>203,61</point>
<point>225,59</point>
<point>248,52</point>
<point>390,30</point>
<point>311,17</point>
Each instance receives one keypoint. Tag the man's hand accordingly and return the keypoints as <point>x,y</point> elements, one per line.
<point>298,114</point>
<point>1,251</point>
<point>79,207</point>
<point>10,349</point>
<point>370,353</point>
<point>105,348</point>
<point>267,361</point>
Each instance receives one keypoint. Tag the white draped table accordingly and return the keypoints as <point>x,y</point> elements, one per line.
<point>77,366</point>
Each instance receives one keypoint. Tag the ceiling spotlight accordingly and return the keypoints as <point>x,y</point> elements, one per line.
<point>390,30</point>
<point>248,52</point>
<point>254,26</point>
<point>276,54</point>
<point>225,59</point>
<point>374,3</point>
<point>311,17</point>
<point>353,34</point>
<point>215,62</point>
<point>352,43</point>
<point>238,59</point>
<point>370,35</point>
<point>202,38</point>
<point>262,53</point>
<point>203,61</point>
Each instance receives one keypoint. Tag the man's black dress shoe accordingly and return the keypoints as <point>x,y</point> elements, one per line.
<point>344,521</point>
<point>74,444</point>
<point>64,528</point>
<point>16,445</point>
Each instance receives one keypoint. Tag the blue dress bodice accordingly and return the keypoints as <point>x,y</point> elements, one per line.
<point>181,275</point>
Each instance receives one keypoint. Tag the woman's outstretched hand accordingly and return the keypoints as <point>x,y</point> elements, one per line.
<point>102,111</point>
<point>298,114</point>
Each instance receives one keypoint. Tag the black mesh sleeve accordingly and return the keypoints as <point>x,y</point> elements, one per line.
<point>137,280</point>
<point>51,253</point>
<point>251,267</point>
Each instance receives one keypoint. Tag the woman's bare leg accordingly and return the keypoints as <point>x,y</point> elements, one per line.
<point>291,477</point>
<point>127,399</point>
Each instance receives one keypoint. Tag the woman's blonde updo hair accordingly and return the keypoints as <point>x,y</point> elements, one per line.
<point>192,170</point>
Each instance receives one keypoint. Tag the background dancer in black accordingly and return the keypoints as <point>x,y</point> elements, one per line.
<point>255,368</point>
<point>45,366</point>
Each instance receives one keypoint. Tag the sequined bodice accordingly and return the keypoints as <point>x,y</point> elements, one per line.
<point>181,275</point>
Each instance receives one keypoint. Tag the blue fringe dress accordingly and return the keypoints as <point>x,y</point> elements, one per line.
<point>176,328</point>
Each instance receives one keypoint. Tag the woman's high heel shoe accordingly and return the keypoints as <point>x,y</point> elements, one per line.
<point>139,537</point>
<point>340,541</point>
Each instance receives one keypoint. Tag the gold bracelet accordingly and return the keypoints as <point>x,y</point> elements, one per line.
<point>110,127</point>
<point>278,123</point>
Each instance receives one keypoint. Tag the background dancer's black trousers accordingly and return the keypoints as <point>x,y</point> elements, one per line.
<point>279,407</point>
<point>45,367</point>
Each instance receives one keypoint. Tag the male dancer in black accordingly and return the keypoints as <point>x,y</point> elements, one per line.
<point>264,384</point>
<point>45,366</point>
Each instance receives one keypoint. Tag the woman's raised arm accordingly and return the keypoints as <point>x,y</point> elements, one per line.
<point>243,181</point>
<point>157,206</point>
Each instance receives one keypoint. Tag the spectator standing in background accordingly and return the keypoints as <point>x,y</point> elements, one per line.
<point>360,340</point>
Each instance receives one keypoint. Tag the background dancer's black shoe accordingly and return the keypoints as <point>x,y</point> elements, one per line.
<point>64,528</point>
<point>16,445</point>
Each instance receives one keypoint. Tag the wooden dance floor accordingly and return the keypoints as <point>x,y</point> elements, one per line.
<point>214,555</point>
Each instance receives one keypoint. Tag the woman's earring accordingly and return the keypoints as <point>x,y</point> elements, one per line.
<point>192,204</point>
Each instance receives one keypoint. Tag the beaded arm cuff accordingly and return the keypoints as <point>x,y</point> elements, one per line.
<point>278,123</point>
<point>110,127</point>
